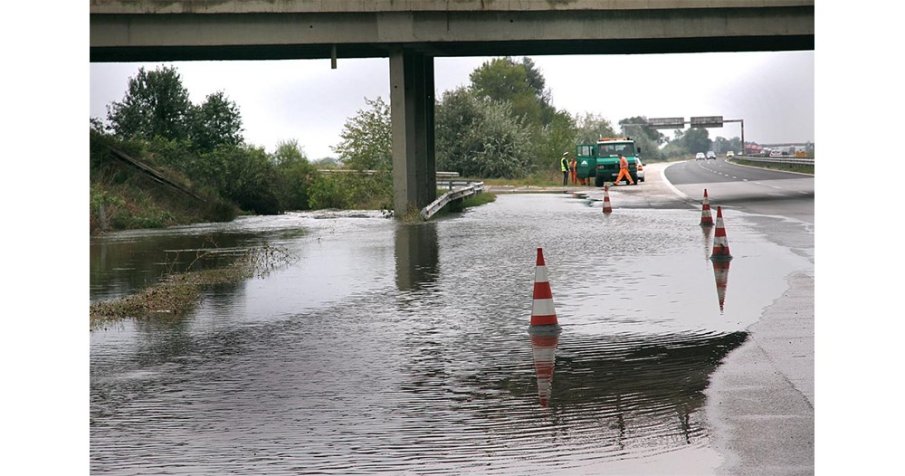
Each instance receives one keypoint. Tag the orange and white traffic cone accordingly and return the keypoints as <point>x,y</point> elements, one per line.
<point>720,244</point>
<point>607,208</point>
<point>544,349</point>
<point>721,275</point>
<point>706,215</point>
<point>543,315</point>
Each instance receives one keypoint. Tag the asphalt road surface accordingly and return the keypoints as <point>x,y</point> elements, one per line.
<point>750,189</point>
<point>761,400</point>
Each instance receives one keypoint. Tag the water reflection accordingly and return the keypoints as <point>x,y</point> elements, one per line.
<point>635,391</point>
<point>417,254</point>
<point>708,241</point>
<point>721,275</point>
<point>125,263</point>
<point>370,355</point>
<point>543,349</point>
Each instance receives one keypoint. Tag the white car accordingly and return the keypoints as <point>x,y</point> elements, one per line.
<point>699,156</point>
<point>730,154</point>
<point>711,154</point>
<point>639,170</point>
<point>775,153</point>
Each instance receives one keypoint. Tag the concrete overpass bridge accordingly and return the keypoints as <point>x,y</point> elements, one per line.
<point>411,33</point>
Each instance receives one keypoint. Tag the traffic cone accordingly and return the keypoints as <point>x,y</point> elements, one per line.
<point>543,348</point>
<point>706,215</point>
<point>543,315</point>
<point>721,275</point>
<point>606,200</point>
<point>720,244</point>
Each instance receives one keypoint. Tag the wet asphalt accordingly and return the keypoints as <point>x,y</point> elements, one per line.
<point>760,401</point>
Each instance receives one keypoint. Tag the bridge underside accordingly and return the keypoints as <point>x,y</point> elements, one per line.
<point>158,53</point>
<point>127,32</point>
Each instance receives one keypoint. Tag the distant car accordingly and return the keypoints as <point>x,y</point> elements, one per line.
<point>730,154</point>
<point>639,170</point>
<point>699,156</point>
<point>775,153</point>
<point>711,155</point>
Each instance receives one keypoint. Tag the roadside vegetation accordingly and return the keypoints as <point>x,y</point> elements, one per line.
<point>803,169</point>
<point>501,128</point>
<point>179,293</point>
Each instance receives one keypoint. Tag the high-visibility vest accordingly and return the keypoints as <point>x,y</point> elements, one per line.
<point>623,163</point>
<point>565,164</point>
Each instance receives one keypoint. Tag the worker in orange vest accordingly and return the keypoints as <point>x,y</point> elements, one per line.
<point>573,170</point>
<point>623,171</point>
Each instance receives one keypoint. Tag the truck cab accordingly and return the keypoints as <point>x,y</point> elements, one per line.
<point>601,160</point>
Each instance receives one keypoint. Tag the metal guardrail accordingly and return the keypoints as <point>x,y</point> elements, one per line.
<point>460,193</point>
<point>778,160</point>
<point>448,179</point>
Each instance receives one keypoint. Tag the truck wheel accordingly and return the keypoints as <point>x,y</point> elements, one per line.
<point>598,181</point>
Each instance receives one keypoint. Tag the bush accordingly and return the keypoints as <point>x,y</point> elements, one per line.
<point>352,191</point>
<point>293,184</point>
<point>327,192</point>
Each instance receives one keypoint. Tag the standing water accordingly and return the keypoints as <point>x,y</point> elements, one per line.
<point>390,347</point>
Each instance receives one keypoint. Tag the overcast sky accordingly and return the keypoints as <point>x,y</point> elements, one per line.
<point>773,92</point>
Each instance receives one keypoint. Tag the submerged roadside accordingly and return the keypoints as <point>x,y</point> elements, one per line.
<point>760,401</point>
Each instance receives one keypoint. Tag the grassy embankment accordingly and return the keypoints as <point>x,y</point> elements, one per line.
<point>123,197</point>
<point>803,169</point>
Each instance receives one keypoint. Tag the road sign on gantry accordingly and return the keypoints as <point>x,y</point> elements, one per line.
<point>707,121</point>
<point>666,122</point>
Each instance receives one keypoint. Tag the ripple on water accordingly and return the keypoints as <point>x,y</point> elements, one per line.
<point>393,348</point>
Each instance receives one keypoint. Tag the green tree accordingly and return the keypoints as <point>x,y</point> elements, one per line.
<point>156,104</point>
<point>367,141</point>
<point>645,137</point>
<point>245,175</point>
<point>558,136</point>
<point>520,85</point>
<point>720,145</point>
<point>288,152</point>
<point>479,137</point>
<point>697,139</point>
<point>295,176</point>
<point>216,122</point>
<point>651,133</point>
<point>591,127</point>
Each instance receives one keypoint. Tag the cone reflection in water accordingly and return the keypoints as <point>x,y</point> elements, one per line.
<point>720,243</point>
<point>706,215</point>
<point>708,243</point>
<point>544,350</point>
<point>721,275</point>
<point>543,314</point>
<point>607,208</point>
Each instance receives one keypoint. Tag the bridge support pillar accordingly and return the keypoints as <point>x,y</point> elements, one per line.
<point>412,117</point>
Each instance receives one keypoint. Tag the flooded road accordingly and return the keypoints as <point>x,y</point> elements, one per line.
<point>404,348</point>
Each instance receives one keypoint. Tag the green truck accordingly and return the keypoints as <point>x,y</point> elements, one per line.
<point>600,161</point>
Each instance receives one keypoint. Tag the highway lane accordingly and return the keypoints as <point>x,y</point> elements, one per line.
<point>750,189</point>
